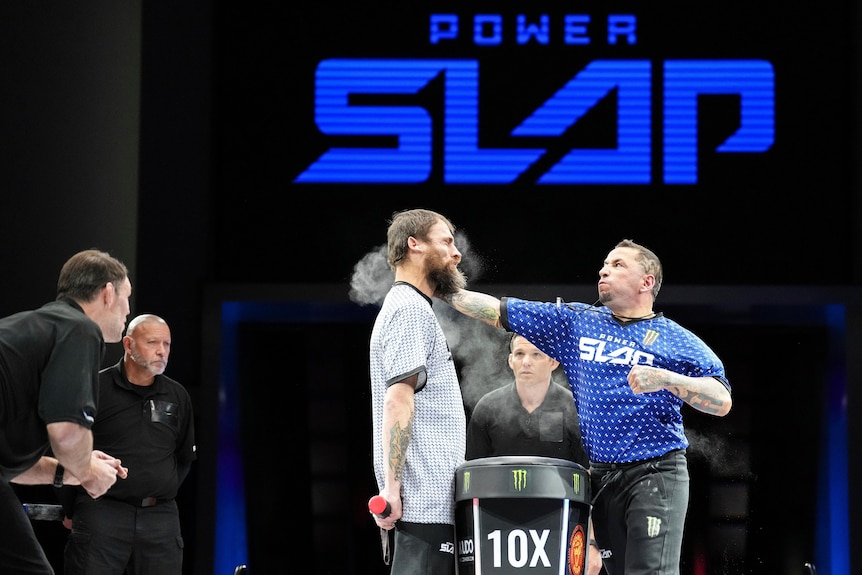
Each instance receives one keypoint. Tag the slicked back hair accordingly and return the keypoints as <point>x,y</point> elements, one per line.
<point>85,274</point>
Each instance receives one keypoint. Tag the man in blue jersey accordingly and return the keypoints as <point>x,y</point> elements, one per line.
<point>418,413</point>
<point>630,369</point>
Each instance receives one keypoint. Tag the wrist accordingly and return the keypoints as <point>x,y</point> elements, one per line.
<point>594,544</point>
<point>58,475</point>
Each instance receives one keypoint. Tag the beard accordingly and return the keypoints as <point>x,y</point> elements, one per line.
<point>447,279</point>
<point>143,363</point>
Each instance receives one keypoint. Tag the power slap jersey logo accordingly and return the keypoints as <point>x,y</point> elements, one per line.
<point>416,129</point>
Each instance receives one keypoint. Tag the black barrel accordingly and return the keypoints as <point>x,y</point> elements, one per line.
<point>520,515</point>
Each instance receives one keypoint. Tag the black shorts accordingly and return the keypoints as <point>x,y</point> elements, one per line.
<point>423,548</point>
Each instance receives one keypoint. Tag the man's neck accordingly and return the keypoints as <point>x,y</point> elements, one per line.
<point>634,314</point>
<point>416,278</point>
<point>629,309</point>
<point>136,375</point>
<point>532,395</point>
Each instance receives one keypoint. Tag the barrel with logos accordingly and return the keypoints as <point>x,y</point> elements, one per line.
<point>521,515</point>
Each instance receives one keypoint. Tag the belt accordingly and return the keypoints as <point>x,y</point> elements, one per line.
<point>145,502</point>
<point>629,464</point>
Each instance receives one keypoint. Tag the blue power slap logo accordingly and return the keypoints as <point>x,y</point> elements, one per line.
<point>634,82</point>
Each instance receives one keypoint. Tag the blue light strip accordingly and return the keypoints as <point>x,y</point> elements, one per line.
<point>832,548</point>
<point>231,546</point>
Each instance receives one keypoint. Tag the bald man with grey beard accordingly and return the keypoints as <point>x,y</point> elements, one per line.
<point>148,418</point>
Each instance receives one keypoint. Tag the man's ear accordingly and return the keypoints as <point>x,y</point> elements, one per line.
<point>412,243</point>
<point>648,282</point>
<point>108,293</point>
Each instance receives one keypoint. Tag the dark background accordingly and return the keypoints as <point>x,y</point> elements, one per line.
<point>170,135</point>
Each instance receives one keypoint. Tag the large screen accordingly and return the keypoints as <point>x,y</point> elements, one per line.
<point>702,130</point>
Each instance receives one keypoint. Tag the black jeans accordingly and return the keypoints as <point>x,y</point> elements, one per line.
<point>115,537</point>
<point>639,514</point>
<point>20,551</point>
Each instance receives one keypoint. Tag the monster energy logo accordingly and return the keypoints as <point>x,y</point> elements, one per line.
<point>466,481</point>
<point>576,483</point>
<point>653,526</point>
<point>650,337</point>
<point>519,479</point>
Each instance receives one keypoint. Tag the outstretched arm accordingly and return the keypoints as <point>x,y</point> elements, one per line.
<point>477,305</point>
<point>705,394</point>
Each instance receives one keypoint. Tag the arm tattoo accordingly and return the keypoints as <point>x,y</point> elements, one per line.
<point>699,401</point>
<point>476,305</point>
<point>399,439</point>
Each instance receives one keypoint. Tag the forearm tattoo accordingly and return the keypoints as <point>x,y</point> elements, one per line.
<point>700,401</point>
<point>476,305</point>
<point>399,439</point>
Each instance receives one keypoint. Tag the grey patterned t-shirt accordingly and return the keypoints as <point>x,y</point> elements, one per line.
<point>407,339</point>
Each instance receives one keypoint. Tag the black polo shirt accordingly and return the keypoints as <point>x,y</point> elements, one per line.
<point>499,425</point>
<point>150,429</point>
<point>49,366</point>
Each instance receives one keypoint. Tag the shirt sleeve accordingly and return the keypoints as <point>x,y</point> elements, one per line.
<point>478,440</point>
<point>408,342</point>
<point>69,381</point>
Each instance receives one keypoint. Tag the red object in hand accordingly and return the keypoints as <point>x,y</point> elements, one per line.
<point>379,506</point>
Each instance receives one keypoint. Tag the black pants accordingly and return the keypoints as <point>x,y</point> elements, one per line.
<point>639,514</point>
<point>423,548</point>
<point>108,536</point>
<point>20,551</point>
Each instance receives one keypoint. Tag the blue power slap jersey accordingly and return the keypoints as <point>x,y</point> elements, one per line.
<point>597,352</point>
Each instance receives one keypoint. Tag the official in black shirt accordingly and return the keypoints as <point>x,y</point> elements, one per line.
<point>49,364</point>
<point>531,416</point>
<point>147,419</point>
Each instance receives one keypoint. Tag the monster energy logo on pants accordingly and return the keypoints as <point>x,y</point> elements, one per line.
<point>519,479</point>
<point>653,526</point>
